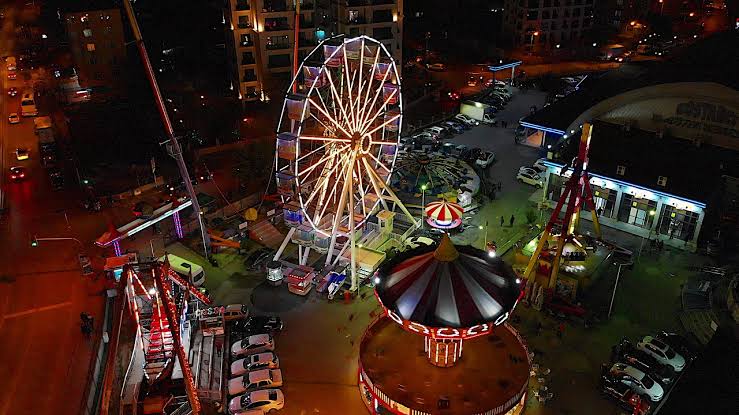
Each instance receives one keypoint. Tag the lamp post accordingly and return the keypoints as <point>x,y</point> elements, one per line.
<point>532,40</point>
<point>649,235</point>
<point>661,7</point>
<point>618,276</point>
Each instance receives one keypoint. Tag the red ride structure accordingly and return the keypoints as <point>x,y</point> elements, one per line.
<point>151,299</point>
<point>576,192</point>
<point>451,296</point>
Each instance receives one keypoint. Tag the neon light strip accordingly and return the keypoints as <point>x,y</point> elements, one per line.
<point>506,66</point>
<point>148,223</point>
<point>623,183</point>
<point>541,128</point>
<point>117,248</point>
<point>178,225</point>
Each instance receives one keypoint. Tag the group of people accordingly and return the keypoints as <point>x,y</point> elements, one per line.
<point>656,245</point>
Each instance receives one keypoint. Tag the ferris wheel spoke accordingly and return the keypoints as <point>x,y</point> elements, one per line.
<point>326,114</point>
<point>326,139</point>
<point>337,99</point>
<point>377,94</point>
<point>333,109</point>
<point>322,210</point>
<point>379,163</point>
<point>383,143</point>
<point>322,161</point>
<point>382,107</point>
<point>361,190</point>
<point>359,84</point>
<point>369,85</point>
<point>349,100</point>
<point>383,125</point>
<point>304,156</point>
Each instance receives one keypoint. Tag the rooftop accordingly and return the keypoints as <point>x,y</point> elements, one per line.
<point>492,370</point>
<point>691,171</point>
<point>713,59</point>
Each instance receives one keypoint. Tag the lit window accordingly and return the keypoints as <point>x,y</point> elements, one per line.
<point>620,170</point>
<point>662,181</point>
<point>91,47</point>
<point>87,32</point>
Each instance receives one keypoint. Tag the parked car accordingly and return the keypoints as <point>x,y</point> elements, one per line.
<point>235,311</point>
<point>13,118</point>
<point>12,91</point>
<point>257,379</point>
<point>624,396</point>
<point>639,381</point>
<point>678,343</point>
<point>257,343</point>
<point>56,177</point>
<point>258,402</point>
<point>662,352</point>
<point>439,131</point>
<point>467,120</point>
<point>485,159</point>
<point>257,324</point>
<point>472,81</point>
<point>12,75</point>
<point>627,353</point>
<point>454,127</point>
<point>266,360</point>
<point>530,176</point>
<point>539,165</point>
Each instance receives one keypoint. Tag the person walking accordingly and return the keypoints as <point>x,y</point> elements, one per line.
<point>513,219</point>
<point>560,330</point>
<point>502,221</point>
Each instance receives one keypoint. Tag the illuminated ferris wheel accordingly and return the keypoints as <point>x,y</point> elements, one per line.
<point>338,138</point>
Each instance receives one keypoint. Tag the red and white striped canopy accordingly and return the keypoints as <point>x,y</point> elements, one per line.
<point>455,287</point>
<point>443,212</point>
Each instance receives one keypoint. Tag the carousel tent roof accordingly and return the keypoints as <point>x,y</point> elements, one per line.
<point>447,286</point>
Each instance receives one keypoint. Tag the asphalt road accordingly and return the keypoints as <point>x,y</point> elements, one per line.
<point>44,357</point>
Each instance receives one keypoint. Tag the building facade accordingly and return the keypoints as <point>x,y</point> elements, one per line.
<point>379,19</point>
<point>97,45</point>
<point>263,33</point>
<point>263,36</point>
<point>541,24</point>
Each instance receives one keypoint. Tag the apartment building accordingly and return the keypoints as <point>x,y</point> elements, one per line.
<point>264,35</point>
<point>541,24</point>
<point>97,45</point>
<point>263,43</point>
<point>379,19</point>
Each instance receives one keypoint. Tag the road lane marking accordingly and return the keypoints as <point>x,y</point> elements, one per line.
<point>36,310</point>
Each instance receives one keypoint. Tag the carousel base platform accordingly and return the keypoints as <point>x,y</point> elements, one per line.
<point>396,377</point>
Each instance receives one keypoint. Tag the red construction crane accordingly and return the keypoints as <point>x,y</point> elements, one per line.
<point>576,192</point>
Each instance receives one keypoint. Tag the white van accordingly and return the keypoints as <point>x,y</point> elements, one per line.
<point>186,268</point>
<point>28,105</point>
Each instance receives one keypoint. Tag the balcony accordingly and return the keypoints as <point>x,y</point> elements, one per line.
<point>242,5</point>
<point>248,61</point>
<point>246,44</point>
<point>276,28</point>
<point>306,24</point>
<point>381,2</point>
<point>277,46</point>
<point>356,20</point>
<point>243,26</point>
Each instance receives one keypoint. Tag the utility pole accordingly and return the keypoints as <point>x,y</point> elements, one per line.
<point>176,151</point>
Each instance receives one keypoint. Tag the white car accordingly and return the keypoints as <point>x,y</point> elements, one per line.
<point>467,120</point>
<point>257,402</point>
<point>485,159</point>
<point>266,360</point>
<point>257,379</point>
<point>662,352</point>
<point>13,118</point>
<point>637,380</point>
<point>257,343</point>
<point>530,176</point>
<point>539,165</point>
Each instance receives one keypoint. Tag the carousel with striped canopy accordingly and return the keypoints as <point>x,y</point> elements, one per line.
<point>447,294</point>
<point>452,297</point>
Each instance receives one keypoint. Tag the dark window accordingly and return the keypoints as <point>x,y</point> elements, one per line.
<point>677,223</point>
<point>533,15</point>
<point>249,75</point>
<point>278,61</point>
<point>276,23</point>
<point>604,200</point>
<point>379,16</point>
<point>545,15</point>
<point>244,22</point>
<point>247,58</point>
<point>533,4</point>
<point>382,33</point>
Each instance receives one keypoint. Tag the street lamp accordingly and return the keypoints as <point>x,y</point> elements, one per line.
<point>661,6</point>
<point>652,212</point>
<point>532,40</point>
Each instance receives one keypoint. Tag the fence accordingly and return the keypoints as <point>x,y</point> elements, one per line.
<point>91,400</point>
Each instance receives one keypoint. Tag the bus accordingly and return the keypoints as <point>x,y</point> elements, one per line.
<point>28,105</point>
